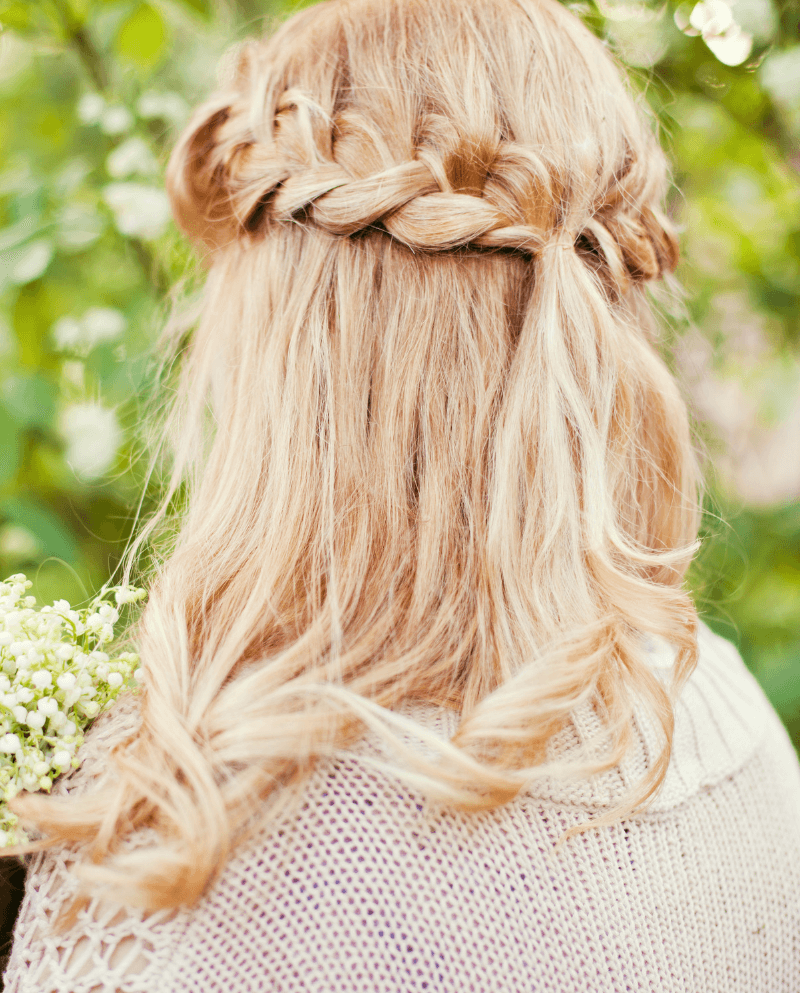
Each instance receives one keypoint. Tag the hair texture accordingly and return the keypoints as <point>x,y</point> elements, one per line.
<point>429,449</point>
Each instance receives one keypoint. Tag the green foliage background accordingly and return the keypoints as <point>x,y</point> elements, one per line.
<point>86,257</point>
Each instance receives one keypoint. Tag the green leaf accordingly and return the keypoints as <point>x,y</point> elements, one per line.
<point>30,400</point>
<point>10,448</point>
<point>143,36</point>
<point>201,7</point>
<point>52,534</point>
<point>18,16</point>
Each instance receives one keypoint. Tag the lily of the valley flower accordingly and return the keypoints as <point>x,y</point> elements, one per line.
<point>54,679</point>
<point>713,20</point>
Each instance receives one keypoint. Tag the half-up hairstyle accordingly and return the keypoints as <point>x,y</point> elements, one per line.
<point>445,462</point>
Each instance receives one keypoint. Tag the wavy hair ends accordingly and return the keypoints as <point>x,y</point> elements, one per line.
<point>446,462</point>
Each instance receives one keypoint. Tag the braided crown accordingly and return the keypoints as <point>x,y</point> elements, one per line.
<point>337,174</point>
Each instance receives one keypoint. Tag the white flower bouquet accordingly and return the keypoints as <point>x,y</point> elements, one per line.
<point>55,679</point>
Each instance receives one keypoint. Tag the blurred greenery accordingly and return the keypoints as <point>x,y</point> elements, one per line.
<point>92,93</point>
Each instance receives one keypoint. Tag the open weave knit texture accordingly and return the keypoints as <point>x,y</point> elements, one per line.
<point>366,889</point>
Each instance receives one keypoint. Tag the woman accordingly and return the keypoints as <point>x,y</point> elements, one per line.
<point>427,706</point>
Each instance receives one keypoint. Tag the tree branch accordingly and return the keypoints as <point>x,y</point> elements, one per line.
<point>79,39</point>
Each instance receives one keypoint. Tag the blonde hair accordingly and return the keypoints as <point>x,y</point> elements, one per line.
<point>445,463</point>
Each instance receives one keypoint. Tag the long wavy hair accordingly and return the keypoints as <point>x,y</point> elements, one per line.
<point>426,445</point>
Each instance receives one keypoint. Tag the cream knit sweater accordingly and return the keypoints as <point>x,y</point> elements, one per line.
<point>363,891</point>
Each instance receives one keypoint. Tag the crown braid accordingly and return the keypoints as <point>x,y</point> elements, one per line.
<point>338,175</point>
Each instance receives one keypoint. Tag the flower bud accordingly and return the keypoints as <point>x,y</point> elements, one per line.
<point>6,638</point>
<point>42,679</point>
<point>41,768</point>
<point>10,743</point>
<point>20,714</point>
<point>47,706</point>
<point>69,729</point>
<point>115,680</point>
<point>58,719</point>
<point>35,720</point>
<point>66,681</point>
<point>65,652</point>
<point>62,759</point>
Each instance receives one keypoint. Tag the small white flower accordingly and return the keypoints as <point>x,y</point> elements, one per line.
<point>107,612</point>
<point>66,681</point>
<point>732,46</point>
<point>62,606</point>
<point>90,708</point>
<point>65,652</point>
<point>94,622</point>
<point>780,76</point>
<point>129,594</point>
<point>18,542</point>
<point>42,679</point>
<point>9,700</point>
<point>139,211</point>
<point>138,675</point>
<point>115,680</point>
<point>41,768</point>
<point>714,20</point>
<point>5,684</point>
<point>106,634</point>
<point>132,157</point>
<point>167,106</point>
<point>62,759</point>
<point>97,325</point>
<point>20,713</point>
<point>10,743</point>
<point>58,720</point>
<point>35,720</point>
<point>103,324</point>
<point>6,639</point>
<point>69,729</point>
<point>48,706</point>
<point>93,435</point>
<point>101,671</point>
<point>116,120</point>
<point>91,107</point>
<point>25,694</point>
<point>711,17</point>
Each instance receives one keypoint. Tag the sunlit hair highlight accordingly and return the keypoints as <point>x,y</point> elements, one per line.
<point>430,451</point>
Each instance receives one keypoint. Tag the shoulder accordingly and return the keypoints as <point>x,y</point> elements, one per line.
<point>722,719</point>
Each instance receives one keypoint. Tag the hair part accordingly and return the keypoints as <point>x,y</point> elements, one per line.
<point>446,462</point>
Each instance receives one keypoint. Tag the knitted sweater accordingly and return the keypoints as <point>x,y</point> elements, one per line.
<point>365,890</point>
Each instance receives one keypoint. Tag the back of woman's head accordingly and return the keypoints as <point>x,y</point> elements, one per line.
<point>444,462</point>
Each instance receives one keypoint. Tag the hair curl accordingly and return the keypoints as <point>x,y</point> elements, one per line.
<point>447,463</point>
